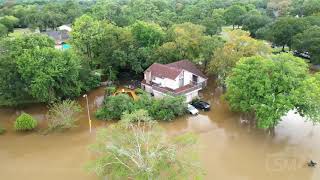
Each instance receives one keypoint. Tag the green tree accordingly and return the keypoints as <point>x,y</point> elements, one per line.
<point>106,45</point>
<point>271,87</point>
<point>233,14</point>
<point>209,45</point>
<point>143,151</point>
<point>85,34</point>
<point>52,16</point>
<point>147,34</point>
<point>240,45</point>
<point>282,31</point>
<point>309,41</point>
<point>168,108</point>
<point>114,106</point>
<point>279,7</point>
<point>3,30</point>
<point>72,10</point>
<point>168,53</point>
<point>62,116</point>
<point>311,7</point>
<point>10,22</point>
<point>139,116</point>
<point>11,49</point>
<point>187,37</point>
<point>313,20</point>
<point>213,23</point>
<point>110,10</point>
<point>254,22</point>
<point>50,74</point>
<point>144,10</point>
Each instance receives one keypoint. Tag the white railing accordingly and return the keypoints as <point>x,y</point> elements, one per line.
<point>166,91</point>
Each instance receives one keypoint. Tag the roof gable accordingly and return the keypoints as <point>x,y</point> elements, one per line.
<point>188,66</point>
<point>173,70</point>
<point>164,71</point>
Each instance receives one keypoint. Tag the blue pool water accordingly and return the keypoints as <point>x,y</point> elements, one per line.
<point>66,46</point>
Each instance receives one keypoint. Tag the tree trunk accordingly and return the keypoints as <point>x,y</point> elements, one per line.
<point>272,131</point>
<point>282,48</point>
<point>205,65</point>
<point>232,26</point>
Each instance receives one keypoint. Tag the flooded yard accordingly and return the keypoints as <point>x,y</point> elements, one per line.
<point>229,148</point>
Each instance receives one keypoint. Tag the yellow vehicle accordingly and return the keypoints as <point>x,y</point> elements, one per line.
<point>129,92</point>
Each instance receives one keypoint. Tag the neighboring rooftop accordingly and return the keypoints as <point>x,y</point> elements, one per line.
<point>172,70</point>
<point>58,36</point>
<point>65,27</point>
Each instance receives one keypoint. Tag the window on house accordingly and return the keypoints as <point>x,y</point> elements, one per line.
<point>194,78</point>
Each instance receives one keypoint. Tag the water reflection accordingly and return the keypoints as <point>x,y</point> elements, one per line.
<point>231,149</point>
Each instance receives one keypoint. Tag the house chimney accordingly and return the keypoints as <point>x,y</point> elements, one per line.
<point>148,76</point>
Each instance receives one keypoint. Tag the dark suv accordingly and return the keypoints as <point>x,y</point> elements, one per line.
<point>201,105</point>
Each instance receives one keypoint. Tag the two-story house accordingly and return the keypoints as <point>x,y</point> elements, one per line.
<point>178,78</point>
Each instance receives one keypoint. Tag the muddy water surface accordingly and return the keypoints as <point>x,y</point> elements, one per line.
<point>229,148</point>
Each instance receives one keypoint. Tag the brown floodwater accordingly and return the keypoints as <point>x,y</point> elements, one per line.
<point>230,149</point>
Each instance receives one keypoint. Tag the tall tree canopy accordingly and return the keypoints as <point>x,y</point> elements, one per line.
<point>282,31</point>
<point>40,72</point>
<point>50,74</point>
<point>253,22</point>
<point>271,87</point>
<point>3,30</point>
<point>239,45</point>
<point>147,34</point>
<point>309,41</point>
<point>9,21</point>
<point>233,14</point>
<point>11,49</point>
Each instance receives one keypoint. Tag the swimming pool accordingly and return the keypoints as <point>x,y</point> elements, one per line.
<point>66,46</point>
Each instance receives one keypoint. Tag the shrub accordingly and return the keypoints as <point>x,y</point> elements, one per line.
<point>2,130</point>
<point>140,115</point>
<point>61,116</point>
<point>110,90</point>
<point>92,81</point>
<point>25,122</point>
<point>164,109</point>
<point>139,91</point>
<point>167,108</point>
<point>114,106</point>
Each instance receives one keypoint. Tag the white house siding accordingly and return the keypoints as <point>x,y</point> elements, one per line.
<point>201,79</point>
<point>157,80</point>
<point>148,89</point>
<point>158,94</point>
<point>169,83</point>
<point>189,96</point>
<point>192,95</point>
<point>172,84</point>
<point>187,77</point>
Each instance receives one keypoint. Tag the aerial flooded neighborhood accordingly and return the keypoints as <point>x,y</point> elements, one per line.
<point>160,89</point>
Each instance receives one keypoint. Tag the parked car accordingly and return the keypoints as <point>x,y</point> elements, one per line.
<point>192,110</point>
<point>305,55</point>
<point>201,105</point>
